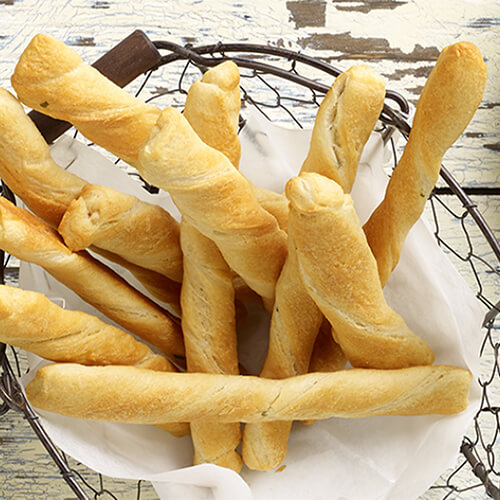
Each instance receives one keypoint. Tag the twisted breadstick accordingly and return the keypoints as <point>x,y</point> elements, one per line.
<point>216,199</point>
<point>294,326</point>
<point>448,101</point>
<point>31,321</point>
<point>212,108</point>
<point>29,239</point>
<point>27,167</point>
<point>49,77</point>
<point>209,327</point>
<point>140,232</point>
<point>345,119</point>
<point>340,274</point>
<point>133,395</point>
<point>344,122</point>
<point>209,323</point>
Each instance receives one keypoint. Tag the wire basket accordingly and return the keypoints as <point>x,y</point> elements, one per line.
<point>287,87</point>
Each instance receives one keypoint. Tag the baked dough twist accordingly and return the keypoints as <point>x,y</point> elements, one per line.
<point>294,327</point>
<point>340,273</point>
<point>134,395</point>
<point>446,105</point>
<point>29,239</point>
<point>345,120</point>
<point>52,78</point>
<point>216,199</point>
<point>209,326</point>
<point>141,233</point>
<point>29,320</point>
<point>208,295</point>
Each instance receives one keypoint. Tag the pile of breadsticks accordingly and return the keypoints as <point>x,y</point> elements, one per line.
<point>303,254</point>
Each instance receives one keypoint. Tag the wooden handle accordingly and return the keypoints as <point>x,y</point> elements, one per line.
<point>132,57</point>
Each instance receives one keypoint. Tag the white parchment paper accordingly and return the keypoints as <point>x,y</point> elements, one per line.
<point>378,458</point>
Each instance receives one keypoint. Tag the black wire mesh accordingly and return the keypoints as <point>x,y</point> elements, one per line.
<point>287,87</point>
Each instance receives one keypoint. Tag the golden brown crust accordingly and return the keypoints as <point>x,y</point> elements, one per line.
<point>294,326</point>
<point>274,203</point>
<point>52,78</point>
<point>340,274</point>
<point>213,107</point>
<point>27,167</point>
<point>344,123</point>
<point>177,429</point>
<point>209,326</point>
<point>327,355</point>
<point>31,321</point>
<point>28,238</point>
<point>159,286</point>
<point>133,395</point>
<point>447,103</point>
<point>216,199</point>
<point>144,234</point>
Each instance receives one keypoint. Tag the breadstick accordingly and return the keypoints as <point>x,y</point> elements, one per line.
<point>353,104</point>
<point>212,108</point>
<point>28,238</point>
<point>340,274</point>
<point>31,321</point>
<point>27,167</point>
<point>209,319</point>
<point>294,326</point>
<point>50,77</point>
<point>447,103</point>
<point>209,326</point>
<point>143,234</point>
<point>216,199</point>
<point>134,395</point>
<point>344,122</point>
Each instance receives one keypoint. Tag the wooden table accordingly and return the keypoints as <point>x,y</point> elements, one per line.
<point>400,39</point>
